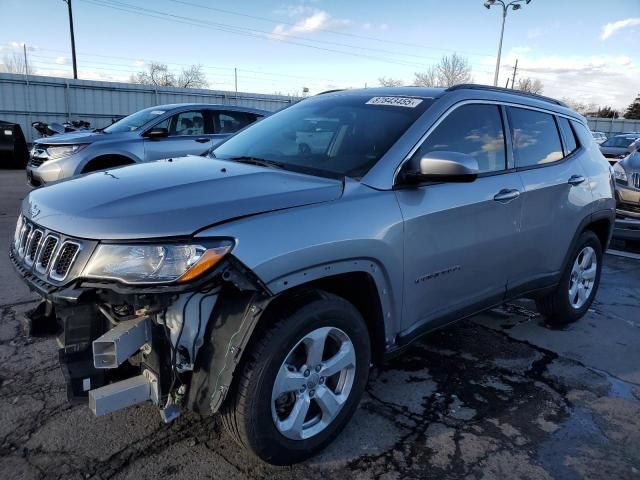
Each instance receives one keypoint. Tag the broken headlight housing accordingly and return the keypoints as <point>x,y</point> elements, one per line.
<point>155,263</point>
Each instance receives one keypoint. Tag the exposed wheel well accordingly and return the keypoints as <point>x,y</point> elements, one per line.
<point>358,288</point>
<point>601,228</point>
<point>106,161</point>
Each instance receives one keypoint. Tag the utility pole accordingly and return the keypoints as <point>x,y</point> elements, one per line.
<point>235,73</point>
<point>513,80</point>
<point>73,40</point>
<point>26,63</point>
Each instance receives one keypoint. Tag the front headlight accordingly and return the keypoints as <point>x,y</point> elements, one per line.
<point>619,173</point>
<point>153,263</point>
<point>59,151</point>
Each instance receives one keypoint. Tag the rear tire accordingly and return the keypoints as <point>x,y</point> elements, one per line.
<point>285,353</point>
<point>579,282</point>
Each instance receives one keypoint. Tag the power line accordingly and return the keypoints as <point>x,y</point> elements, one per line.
<point>334,32</point>
<point>244,31</point>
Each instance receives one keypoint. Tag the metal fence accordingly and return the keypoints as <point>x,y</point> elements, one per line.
<point>613,126</point>
<point>24,100</point>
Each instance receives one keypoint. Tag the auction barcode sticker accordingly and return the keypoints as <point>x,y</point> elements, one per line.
<point>395,101</point>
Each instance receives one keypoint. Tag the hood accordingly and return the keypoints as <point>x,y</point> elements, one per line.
<point>81,137</point>
<point>170,198</point>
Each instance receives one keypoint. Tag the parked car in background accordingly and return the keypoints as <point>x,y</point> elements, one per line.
<point>264,281</point>
<point>154,133</point>
<point>599,137</point>
<point>617,147</point>
<point>627,180</point>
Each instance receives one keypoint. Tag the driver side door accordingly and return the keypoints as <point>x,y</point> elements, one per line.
<point>189,134</point>
<point>459,237</point>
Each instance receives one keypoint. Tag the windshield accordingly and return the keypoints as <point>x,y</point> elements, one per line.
<point>135,120</point>
<point>622,142</point>
<point>335,136</point>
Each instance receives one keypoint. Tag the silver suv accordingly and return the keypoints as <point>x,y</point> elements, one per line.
<point>153,133</point>
<point>263,282</point>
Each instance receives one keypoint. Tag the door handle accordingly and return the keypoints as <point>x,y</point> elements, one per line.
<point>203,139</point>
<point>576,180</point>
<point>506,195</point>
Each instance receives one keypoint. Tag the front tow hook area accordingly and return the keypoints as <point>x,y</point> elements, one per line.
<point>124,393</point>
<point>39,321</point>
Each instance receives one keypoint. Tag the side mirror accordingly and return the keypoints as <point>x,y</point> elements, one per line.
<point>442,167</point>
<point>155,133</point>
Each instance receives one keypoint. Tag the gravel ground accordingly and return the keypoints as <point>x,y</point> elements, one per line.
<point>501,395</point>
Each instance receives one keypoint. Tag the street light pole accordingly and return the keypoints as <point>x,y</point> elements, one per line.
<point>73,40</point>
<point>495,75</point>
<point>515,5</point>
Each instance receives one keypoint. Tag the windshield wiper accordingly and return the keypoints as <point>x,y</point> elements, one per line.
<point>263,162</point>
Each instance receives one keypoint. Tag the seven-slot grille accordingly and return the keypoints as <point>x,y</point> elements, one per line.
<point>635,180</point>
<point>47,252</point>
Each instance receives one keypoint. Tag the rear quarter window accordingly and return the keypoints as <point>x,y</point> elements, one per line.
<point>570,142</point>
<point>535,137</point>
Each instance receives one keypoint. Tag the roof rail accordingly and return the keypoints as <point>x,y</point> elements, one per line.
<point>474,86</point>
<point>330,91</point>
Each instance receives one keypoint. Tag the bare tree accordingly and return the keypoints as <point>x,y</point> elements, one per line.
<point>529,85</point>
<point>14,63</point>
<point>452,70</point>
<point>158,74</point>
<point>430,78</point>
<point>192,77</point>
<point>580,107</point>
<point>608,112</point>
<point>390,82</point>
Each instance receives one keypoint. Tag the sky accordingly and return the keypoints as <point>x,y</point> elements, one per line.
<point>583,50</point>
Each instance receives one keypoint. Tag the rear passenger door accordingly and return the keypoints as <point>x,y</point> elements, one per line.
<point>189,134</point>
<point>459,237</point>
<point>556,194</point>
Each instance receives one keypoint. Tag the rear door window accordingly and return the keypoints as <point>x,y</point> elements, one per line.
<point>231,122</point>
<point>535,137</point>
<point>472,129</point>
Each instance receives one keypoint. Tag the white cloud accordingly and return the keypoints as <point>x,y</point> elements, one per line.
<point>612,27</point>
<point>139,63</point>
<point>600,79</point>
<point>62,60</point>
<point>317,21</point>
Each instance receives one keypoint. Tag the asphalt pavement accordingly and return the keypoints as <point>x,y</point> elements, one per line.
<point>498,396</point>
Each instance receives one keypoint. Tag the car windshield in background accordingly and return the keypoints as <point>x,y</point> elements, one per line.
<point>621,142</point>
<point>335,136</point>
<point>134,121</point>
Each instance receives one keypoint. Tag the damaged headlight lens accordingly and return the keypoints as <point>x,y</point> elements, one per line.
<point>619,173</point>
<point>153,263</point>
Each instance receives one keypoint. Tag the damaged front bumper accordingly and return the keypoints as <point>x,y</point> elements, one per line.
<point>175,347</point>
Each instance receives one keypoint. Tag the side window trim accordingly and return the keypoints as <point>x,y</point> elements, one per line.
<point>506,127</point>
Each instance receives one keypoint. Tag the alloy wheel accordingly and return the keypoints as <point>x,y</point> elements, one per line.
<point>313,383</point>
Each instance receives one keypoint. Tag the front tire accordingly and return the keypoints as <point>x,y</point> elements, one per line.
<point>578,285</point>
<point>302,381</point>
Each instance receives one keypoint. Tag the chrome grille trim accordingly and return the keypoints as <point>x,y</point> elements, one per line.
<point>66,246</point>
<point>635,180</point>
<point>24,238</point>
<point>33,244</point>
<point>46,253</point>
